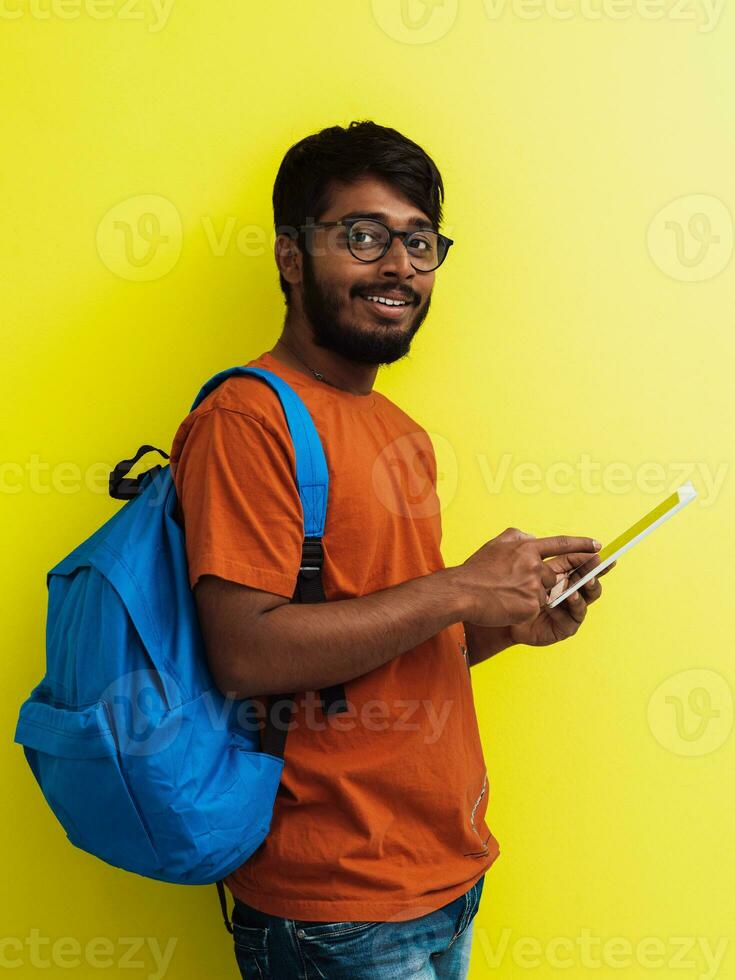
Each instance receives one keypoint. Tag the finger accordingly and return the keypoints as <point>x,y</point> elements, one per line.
<point>566,624</point>
<point>576,606</point>
<point>593,588</point>
<point>578,562</point>
<point>548,576</point>
<point>564,544</point>
<point>576,576</point>
<point>561,586</point>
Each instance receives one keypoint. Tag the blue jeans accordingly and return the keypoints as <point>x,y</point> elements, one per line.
<point>436,945</point>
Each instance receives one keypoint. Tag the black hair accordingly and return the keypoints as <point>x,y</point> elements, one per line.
<point>301,192</point>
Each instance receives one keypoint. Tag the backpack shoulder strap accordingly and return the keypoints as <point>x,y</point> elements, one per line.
<point>312,476</point>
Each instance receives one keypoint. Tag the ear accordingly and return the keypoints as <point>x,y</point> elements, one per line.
<point>288,258</point>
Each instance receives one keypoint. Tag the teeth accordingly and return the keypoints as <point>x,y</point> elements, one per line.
<point>386,302</point>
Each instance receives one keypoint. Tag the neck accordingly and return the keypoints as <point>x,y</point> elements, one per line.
<point>301,353</point>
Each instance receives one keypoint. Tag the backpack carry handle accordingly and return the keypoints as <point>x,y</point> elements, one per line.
<point>123,487</point>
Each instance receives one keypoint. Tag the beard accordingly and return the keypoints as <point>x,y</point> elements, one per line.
<point>334,329</point>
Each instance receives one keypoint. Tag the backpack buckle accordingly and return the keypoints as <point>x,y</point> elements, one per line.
<point>312,555</point>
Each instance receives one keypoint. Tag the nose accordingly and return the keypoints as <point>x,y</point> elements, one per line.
<point>397,260</point>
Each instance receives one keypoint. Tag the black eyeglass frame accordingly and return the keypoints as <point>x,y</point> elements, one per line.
<point>392,233</point>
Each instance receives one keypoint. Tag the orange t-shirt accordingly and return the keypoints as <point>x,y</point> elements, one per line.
<point>380,815</point>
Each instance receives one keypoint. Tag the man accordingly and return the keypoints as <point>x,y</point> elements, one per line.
<point>378,846</point>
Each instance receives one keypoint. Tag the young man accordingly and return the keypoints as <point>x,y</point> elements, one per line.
<point>378,847</point>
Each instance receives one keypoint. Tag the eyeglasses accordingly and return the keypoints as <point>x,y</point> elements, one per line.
<point>369,240</point>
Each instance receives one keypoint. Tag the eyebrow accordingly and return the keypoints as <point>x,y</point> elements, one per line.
<point>415,221</point>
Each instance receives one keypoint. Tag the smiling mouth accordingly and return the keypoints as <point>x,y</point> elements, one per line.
<point>385,310</point>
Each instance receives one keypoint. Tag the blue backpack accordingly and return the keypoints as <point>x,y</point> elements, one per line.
<point>144,762</point>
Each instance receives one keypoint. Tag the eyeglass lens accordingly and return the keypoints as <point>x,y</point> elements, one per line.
<point>368,240</point>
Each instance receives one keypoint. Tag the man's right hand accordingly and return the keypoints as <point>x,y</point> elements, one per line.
<point>506,581</point>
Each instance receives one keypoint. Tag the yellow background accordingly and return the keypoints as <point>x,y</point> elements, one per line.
<point>574,316</point>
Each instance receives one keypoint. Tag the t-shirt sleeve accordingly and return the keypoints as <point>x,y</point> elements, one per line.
<point>242,513</point>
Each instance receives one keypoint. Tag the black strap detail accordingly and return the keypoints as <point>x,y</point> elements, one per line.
<point>223,904</point>
<point>123,487</point>
<point>273,736</point>
<point>309,588</point>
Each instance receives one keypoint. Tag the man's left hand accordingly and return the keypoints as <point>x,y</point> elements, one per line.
<point>553,625</point>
